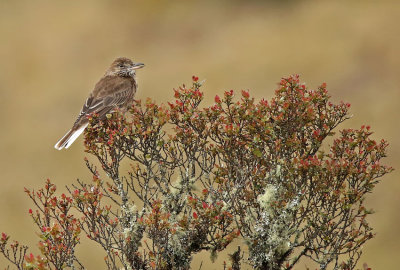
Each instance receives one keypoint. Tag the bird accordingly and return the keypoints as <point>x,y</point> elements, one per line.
<point>115,90</point>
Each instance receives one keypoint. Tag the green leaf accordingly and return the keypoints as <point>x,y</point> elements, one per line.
<point>257,153</point>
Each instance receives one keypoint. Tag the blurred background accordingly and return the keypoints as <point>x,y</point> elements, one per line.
<point>53,52</point>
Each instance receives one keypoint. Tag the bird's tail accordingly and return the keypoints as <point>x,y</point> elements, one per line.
<point>70,137</point>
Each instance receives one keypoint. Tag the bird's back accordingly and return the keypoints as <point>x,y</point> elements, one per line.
<point>109,85</point>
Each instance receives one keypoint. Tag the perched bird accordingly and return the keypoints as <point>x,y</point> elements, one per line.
<point>115,89</point>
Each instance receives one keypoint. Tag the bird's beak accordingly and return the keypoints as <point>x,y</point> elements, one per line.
<point>137,65</point>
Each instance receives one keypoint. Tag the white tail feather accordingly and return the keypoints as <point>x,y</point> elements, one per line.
<point>69,138</point>
<point>75,136</point>
<point>59,147</point>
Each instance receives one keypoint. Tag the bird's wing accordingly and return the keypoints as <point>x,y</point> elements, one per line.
<point>109,93</point>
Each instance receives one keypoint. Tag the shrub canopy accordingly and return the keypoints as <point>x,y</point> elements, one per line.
<point>199,177</point>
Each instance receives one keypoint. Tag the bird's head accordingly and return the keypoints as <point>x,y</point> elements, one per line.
<point>124,67</point>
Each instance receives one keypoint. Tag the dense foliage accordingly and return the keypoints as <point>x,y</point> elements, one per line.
<point>200,177</point>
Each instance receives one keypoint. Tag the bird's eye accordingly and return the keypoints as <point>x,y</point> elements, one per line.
<point>120,65</point>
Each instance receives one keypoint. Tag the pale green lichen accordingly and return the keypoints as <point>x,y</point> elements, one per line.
<point>176,187</point>
<point>265,199</point>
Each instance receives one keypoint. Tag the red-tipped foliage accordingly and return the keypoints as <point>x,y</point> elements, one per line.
<point>199,177</point>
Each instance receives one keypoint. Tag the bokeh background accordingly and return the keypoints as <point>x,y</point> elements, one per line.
<point>53,52</point>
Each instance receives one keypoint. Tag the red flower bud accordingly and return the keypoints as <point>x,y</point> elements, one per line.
<point>205,205</point>
<point>245,94</point>
<point>229,93</point>
<point>4,237</point>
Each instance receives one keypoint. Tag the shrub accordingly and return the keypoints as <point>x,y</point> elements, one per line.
<point>201,177</point>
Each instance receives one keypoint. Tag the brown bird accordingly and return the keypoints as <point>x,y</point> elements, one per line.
<point>115,89</point>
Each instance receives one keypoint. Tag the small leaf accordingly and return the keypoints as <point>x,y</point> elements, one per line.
<point>257,153</point>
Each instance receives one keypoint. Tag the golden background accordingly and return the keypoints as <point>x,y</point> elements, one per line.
<point>53,52</point>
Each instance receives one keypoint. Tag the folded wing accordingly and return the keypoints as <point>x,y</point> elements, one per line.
<point>109,93</point>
